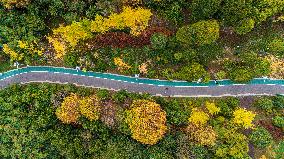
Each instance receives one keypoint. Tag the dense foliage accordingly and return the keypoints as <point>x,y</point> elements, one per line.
<point>39,120</point>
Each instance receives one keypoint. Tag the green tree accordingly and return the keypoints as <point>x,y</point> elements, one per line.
<point>204,9</point>
<point>261,138</point>
<point>199,33</point>
<point>158,41</point>
<point>244,26</point>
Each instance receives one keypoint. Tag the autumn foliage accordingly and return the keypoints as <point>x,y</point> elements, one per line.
<point>147,121</point>
<point>74,106</point>
<point>243,117</point>
<point>198,117</point>
<point>122,40</point>
<point>204,135</point>
<point>69,36</point>
<point>69,112</point>
<point>90,107</point>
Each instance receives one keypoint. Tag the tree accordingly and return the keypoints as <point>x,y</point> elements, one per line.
<point>276,47</point>
<point>69,111</point>
<point>212,108</point>
<point>198,34</point>
<point>232,144</point>
<point>261,138</point>
<point>204,9</point>
<point>90,107</point>
<point>243,117</point>
<point>147,121</point>
<point>247,66</point>
<point>245,26</point>
<point>265,104</point>
<point>193,72</point>
<point>158,41</point>
<point>198,117</point>
<point>204,135</point>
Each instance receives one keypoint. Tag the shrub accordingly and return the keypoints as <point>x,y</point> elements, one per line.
<point>243,117</point>
<point>193,72</point>
<point>264,103</point>
<point>69,112</point>
<point>261,138</point>
<point>158,41</point>
<point>198,117</point>
<point>200,33</point>
<point>90,107</point>
<point>278,121</point>
<point>204,135</point>
<point>245,26</point>
<point>147,121</point>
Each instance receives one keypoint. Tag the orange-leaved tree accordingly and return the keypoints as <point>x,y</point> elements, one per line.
<point>147,121</point>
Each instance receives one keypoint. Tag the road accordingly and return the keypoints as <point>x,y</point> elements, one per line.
<point>208,91</point>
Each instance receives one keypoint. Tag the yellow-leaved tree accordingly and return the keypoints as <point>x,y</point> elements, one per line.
<point>90,107</point>
<point>212,108</point>
<point>69,111</point>
<point>13,54</point>
<point>147,121</point>
<point>204,135</point>
<point>243,117</point>
<point>198,117</point>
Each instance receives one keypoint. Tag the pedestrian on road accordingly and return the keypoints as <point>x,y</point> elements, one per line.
<point>77,68</point>
<point>166,90</point>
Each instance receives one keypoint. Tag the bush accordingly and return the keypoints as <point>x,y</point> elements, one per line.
<point>158,41</point>
<point>278,121</point>
<point>245,26</point>
<point>264,103</point>
<point>200,33</point>
<point>261,138</point>
<point>147,121</point>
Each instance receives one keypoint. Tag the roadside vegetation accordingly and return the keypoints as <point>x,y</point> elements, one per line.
<point>166,39</point>
<point>55,121</point>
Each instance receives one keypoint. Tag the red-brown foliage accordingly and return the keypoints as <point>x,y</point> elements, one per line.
<point>121,39</point>
<point>275,131</point>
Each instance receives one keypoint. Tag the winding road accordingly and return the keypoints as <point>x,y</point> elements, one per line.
<point>140,85</point>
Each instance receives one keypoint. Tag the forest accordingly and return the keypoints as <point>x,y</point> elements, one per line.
<point>188,40</point>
